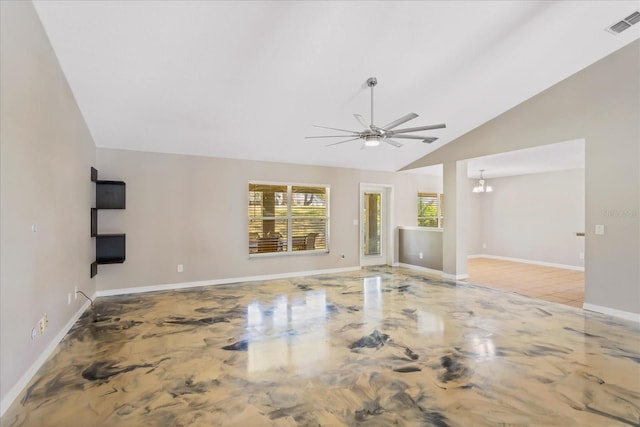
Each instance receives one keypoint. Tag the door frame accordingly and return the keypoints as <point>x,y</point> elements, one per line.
<point>387,232</point>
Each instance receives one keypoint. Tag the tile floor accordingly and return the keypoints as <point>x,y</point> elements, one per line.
<point>548,283</point>
<point>374,347</point>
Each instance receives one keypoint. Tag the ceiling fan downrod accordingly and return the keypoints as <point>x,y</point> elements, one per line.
<point>371,82</point>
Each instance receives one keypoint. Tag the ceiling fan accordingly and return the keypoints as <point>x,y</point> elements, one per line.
<point>372,134</point>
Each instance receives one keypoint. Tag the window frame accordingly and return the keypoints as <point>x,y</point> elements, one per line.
<point>290,218</point>
<point>440,214</point>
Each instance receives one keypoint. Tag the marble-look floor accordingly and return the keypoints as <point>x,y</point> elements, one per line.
<point>376,347</point>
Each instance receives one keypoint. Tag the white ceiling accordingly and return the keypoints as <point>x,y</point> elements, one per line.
<point>248,79</point>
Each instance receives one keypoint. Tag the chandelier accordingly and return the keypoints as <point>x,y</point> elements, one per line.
<point>482,186</point>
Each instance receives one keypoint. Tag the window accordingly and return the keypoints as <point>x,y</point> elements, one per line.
<point>430,212</point>
<point>288,218</point>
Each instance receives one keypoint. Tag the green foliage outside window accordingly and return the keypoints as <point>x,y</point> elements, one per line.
<point>429,210</point>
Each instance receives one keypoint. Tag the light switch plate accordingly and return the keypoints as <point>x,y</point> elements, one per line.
<point>599,229</point>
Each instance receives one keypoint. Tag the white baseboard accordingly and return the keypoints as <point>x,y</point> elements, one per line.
<point>528,261</point>
<point>422,269</point>
<point>455,276</point>
<point>227,281</point>
<point>634,317</point>
<point>17,388</point>
<point>438,273</point>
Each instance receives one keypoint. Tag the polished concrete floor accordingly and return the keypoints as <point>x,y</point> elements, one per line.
<point>548,283</point>
<point>376,347</point>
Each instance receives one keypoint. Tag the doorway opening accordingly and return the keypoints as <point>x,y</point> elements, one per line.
<point>527,235</point>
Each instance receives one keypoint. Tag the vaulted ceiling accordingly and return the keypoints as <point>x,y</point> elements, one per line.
<point>248,79</point>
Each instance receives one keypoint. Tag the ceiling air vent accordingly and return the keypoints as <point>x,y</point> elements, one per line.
<point>622,25</point>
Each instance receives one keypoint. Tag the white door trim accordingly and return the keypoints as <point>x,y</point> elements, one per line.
<point>387,226</point>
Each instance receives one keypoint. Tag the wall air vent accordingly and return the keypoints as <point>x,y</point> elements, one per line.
<point>622,25</point>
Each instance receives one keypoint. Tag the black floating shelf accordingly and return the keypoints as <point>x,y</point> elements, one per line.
<point>110,248</point>
<point>94,222</point>
<point>110,195</point>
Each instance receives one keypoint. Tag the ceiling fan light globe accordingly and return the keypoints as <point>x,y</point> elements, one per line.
<point>371,141</point>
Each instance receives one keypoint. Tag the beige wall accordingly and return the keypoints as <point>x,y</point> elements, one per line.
<point>46,152</point>
<point>475,221</point>
<point>601,105</point>
<point>193,211</point>
<point>534,217</point>
<point>413,241</point>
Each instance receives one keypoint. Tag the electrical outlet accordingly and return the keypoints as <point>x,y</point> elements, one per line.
<point>420,255</point>
<point>581,255</point>
<point>69,298</point>
<point>484,246</point>
<point>180,268</point>
<point>34,333</point>
<point>43,323</point>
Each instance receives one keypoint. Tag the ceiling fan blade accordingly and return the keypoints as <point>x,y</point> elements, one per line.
<point>332,136</point>
<point>360,120</point>
<point>392,142</point>
<point>341,142</point>
<point>417,129</point>
<point>411,136</point>
<point>341,130</point>
<point>427,139</point>
<point>400,121</point>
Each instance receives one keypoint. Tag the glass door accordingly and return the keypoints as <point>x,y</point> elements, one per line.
<point>372,224</point>
<point>374,228</point>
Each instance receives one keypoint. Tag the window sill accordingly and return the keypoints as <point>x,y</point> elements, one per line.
<point>419,228</point>
<point>286,254</point>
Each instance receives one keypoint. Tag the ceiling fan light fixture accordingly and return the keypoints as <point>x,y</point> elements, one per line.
<point>371,141</point>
